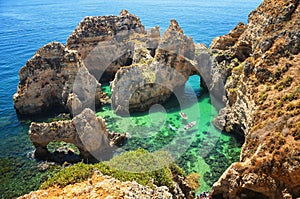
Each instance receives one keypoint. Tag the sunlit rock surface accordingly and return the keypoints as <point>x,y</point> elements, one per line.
<point>262,63</point>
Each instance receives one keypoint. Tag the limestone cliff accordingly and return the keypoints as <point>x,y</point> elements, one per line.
<point>51,79</point>
<point>261,63</point>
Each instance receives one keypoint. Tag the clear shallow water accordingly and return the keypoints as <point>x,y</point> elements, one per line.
<point>201,149</point>
<point>26,25</point>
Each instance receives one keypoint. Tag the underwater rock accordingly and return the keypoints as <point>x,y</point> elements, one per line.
<point>50,77</point>
<point>86,131</point>
<point>263,97</point>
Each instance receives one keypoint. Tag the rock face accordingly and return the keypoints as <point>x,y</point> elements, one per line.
<point>104,42</point>
<point>261,62</point>
<point>55,78</point>
<point>152,78</point>
<point>86,131</point>
<point>101,186</point>
<point>60,77</point>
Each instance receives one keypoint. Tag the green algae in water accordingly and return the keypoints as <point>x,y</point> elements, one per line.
<point>202,149</point>
<point>19,174</point>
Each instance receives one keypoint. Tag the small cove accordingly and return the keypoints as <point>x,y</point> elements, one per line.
<point>202,149</point>
<point>28,25</point>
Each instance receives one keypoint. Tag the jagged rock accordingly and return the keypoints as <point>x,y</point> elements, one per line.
<point>50,77</point>
<point>145,46</point>
<point>175,42</point>
<point>229,40</point>
<point>103,44</point>
<point>136,88</point>
<point>181,188</point>
<point>152,79</point>
<point>102,186</point>
<point>86,131</point>
<point>263,98</point>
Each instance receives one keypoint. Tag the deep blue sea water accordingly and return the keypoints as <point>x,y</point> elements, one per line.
<point>26,25</point>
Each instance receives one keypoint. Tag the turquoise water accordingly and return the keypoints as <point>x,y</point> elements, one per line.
<point>28,25</point>
<point>162,127</point>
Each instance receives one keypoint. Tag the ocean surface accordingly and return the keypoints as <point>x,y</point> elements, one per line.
<point>27,25</point>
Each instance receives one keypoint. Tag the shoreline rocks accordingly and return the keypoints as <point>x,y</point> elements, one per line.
<point>108,48</point>
<point>153,78</point>
<point>258,63</point>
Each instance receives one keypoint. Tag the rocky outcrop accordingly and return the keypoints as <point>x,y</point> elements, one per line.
<point>86,131</point>
<point>101,186</point>
<point>103,42</point>
<point>56,78</point>
<point>153,78</point>
<point>263,96</point>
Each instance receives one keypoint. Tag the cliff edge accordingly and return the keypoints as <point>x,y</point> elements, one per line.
<point>261,62</point>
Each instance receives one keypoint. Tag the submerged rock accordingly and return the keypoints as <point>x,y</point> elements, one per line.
<point>263,97</point>
<point>86,131</point>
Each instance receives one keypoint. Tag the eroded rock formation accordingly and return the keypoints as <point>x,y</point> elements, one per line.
<point>104,43</point>
<point>56,78</point>
<point>153,78</point>
<point>261,60</point>
<point>86,131</point>
<point>258,63</point>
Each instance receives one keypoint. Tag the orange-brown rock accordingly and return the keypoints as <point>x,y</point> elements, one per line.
<point>263,103</point>
<point>229,40</point>
<point>101,186</point>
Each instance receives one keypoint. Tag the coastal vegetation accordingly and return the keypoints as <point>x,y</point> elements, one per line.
<point>150,170</point>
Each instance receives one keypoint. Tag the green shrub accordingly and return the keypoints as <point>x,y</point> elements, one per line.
<point>262,97</point>
<point>69,175</point>
<point>153,169</point>
<point>289,97</point>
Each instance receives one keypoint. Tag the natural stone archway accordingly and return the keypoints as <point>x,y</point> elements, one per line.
<point>86,131</point>
<point>152,80</point>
